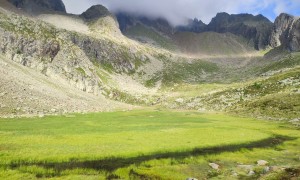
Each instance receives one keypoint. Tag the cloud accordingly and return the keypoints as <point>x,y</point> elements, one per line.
<point>178,11</point>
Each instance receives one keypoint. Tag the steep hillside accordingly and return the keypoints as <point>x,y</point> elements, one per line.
<point>39,6</point>
<point>150,36</point>
<point>256,29</point>
<point>212,44</point>
<point>24,91</point>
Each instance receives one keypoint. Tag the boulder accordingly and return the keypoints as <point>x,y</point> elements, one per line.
<point>214,166</point>
<point>262,162</point>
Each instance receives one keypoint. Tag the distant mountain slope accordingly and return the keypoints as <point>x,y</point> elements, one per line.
<point>38,6</point>
<point>256,29</point>
<point>211,44</point>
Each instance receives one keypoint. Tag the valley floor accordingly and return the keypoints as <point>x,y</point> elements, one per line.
<point>148,144</point>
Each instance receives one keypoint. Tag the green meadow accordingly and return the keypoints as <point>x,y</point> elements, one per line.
<point>141,144</point>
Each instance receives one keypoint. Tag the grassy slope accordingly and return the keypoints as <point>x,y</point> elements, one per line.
<point>210,43</point>
<point>273,95</point>
<point>143,33</point>
<point>124,144</point>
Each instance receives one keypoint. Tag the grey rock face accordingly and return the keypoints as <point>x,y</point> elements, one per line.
<point>36,6</point>
<point>286,32</point>
<point>128,20</point>
<point>281,30</point>
<point>255,28</point>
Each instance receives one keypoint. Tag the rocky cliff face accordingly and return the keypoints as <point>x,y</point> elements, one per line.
<point>127,20</point>
<point>194,25</point>
<point>95,12</point>
<point>286,32</point>
<point>38,6</point>
<point>67,56</point>
<point>256,29</point>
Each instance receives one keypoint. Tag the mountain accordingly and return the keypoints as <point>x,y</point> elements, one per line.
<point>38,6</point>
<point>124,57</point>
<point>193,25</point>
<point>286,32</point>
<point>256,29</point>
<point>95,12</point>
<point>128,21</point>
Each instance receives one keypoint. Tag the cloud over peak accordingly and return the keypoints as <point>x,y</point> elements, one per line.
<point>178,11</point>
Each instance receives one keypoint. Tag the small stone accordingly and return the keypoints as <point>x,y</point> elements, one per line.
<point>179,100</point>
<point>41,115</point>
<point>191,179</point>
<point>251,173</point>
<point>3,94</point>
<point>294,121</point>
<point>214,166</point>
<point>262,162</point>
<point>274,168</point>
<point>53,110</point>
<point>266,169</point>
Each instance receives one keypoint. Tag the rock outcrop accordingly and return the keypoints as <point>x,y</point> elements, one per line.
<point>128,20</point>
<point>39,6</point>
<point>194,25</point>
<point>286,32</point>
<point>257,29</point>
<point>95,12</point>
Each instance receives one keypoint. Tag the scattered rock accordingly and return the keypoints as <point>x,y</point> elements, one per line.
<point>41,115</point>
<point>262,162</point>
<point>294,121</point>
<point>251,173</point>
<point>266,169</point>
<point>3,94</point>
<point>53,110</point>
<point>191,179</point>
<point>234,174</point>
<point>214,166</point>
<point>179,100</point>
<point>274,168</point>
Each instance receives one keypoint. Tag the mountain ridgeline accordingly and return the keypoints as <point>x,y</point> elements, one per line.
<point>38,6</point>
<point>260,32</point>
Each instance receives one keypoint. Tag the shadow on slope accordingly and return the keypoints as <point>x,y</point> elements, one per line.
<point>113,163</point>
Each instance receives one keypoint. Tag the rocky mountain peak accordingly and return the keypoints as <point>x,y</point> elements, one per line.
<point>281,29</point>
<point>193,25</point>
<point>256,29</point>
<point>39,6</point>
<point>127,20</point>
<point>95,12</point>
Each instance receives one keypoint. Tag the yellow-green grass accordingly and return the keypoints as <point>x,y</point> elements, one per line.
<point>137,144</point>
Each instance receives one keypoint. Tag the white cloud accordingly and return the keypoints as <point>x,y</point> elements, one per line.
<point>177,11</point>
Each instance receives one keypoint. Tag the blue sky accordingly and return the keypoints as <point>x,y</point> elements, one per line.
<point>178,11</point>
